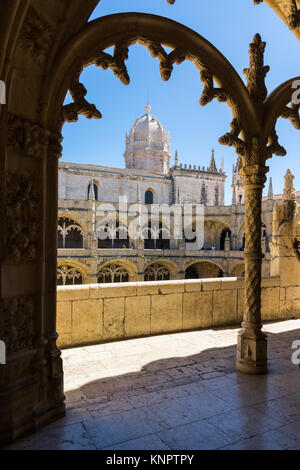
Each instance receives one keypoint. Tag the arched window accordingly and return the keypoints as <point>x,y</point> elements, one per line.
<point>149,197</point>
<point>203,194</point>
<point>68,276</point>
<point>156,237</point>
<point>95,191</point>
<point>226,233</point>
<point>113,273</point>
<point>116,236</point>
<point>69,234</point>
<point>157,272</point>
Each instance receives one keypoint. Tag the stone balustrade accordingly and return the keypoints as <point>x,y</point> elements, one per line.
<point>94,313</point>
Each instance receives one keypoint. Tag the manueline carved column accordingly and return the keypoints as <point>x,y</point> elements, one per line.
<point>252,343</point>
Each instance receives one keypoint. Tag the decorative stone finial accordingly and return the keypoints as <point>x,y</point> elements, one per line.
<point>289,190</point>
<point>257,71</point>
<point>212,167</point>
<point>148,108</point>
<point>176,158</point>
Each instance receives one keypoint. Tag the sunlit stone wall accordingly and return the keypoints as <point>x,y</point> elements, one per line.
<point>98,313</point>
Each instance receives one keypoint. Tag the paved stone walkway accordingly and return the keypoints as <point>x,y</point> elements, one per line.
<point>178,392</point>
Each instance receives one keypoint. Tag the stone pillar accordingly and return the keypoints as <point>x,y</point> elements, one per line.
<point>252,342</point>
<point>54,406</point>
<point>31,381</point>
<point>227,243</point>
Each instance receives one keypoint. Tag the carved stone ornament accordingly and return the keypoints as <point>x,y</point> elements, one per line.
<point>36,36</point>
<point>292,114</point>
<point>26,137</point>
<point>80,105</point>
<point>17,323</point>
<point>116,63</point>
<point>289,190</point>
<point>293,18</point>
<point>22,218</point>
<point>257,71</point>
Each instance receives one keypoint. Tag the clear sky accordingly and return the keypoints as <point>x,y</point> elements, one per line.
<point>230,25</point>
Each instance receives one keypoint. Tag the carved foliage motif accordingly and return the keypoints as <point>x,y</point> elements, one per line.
<point>293,18</point>
<point>36,36</point>
<point>257,71</point>
<point>25,136</point>
<point>17,323</point>
<point>274,148</point>
<point>80,105</point>
<point>116,63</point>
<point>232,139</point>
<point>292,114</point>
<point>289,190</point>
<point>22,218</point>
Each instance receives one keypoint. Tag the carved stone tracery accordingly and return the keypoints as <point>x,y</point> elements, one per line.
<point>116,63</point>
<point>22,212</point>
<point>113,273</point>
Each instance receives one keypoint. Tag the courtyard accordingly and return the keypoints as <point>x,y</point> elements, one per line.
<point>177,391</point>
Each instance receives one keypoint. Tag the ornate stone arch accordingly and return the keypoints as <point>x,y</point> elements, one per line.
<point>111,267</point>
<point>153,32</point>
<point>70,233</point>
<point>154,266</point>
<point>65,266</point>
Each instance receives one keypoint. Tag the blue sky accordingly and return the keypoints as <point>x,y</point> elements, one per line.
<point>230,25</point>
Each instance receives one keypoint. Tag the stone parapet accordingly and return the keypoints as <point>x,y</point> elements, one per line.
<point>98,313</point>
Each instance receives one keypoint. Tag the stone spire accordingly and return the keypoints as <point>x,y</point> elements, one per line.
<point>148,108</point>
<point>176,158</point>
<point>289,190</point>
<point>213,167</point>
<point>270,190</point>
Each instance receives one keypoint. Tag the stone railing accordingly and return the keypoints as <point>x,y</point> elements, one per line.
<point>94,313</point>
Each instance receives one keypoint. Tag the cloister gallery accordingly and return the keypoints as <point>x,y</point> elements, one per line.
<point>44,48</point>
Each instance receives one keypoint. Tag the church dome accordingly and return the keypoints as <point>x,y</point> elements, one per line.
<point>147,133</point>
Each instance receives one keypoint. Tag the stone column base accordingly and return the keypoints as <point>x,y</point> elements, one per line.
<point>251,353</point>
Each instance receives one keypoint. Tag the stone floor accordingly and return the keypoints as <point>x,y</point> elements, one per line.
<point>178,392</point>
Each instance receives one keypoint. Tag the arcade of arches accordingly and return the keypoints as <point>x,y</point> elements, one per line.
<point>43,50</point>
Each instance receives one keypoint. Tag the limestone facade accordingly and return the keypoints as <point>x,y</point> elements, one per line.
<point>84,188</point>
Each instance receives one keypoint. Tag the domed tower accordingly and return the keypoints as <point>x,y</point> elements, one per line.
<point>148,145</point>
